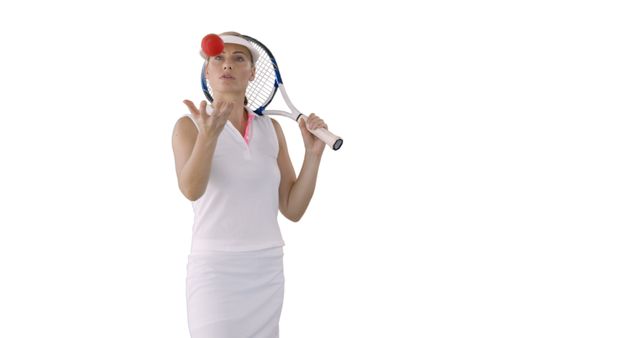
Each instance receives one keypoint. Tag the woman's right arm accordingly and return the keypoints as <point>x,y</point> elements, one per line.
<point>193,154</point>
<point>193,150</point>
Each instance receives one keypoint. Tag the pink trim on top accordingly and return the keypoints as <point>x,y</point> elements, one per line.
<point>246,130</point>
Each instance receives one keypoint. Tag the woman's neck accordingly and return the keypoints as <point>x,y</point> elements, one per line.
<point>238,115</point>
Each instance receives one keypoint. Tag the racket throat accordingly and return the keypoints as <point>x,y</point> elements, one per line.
<point>288,101</point>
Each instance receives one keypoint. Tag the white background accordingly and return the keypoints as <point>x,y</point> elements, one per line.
<point>487,187</point>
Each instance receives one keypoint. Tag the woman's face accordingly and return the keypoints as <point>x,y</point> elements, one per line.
<point>231,71</point>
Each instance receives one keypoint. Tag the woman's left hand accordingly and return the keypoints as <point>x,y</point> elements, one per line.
<point>312,143</point>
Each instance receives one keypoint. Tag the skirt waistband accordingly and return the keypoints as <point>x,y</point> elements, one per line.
<point>201,246</point>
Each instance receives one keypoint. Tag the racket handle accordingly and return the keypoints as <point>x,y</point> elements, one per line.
<point>333,141</point>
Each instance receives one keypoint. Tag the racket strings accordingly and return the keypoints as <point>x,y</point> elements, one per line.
<point>262,89</point>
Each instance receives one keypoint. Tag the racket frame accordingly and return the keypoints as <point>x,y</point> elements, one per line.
<point>335,142</point>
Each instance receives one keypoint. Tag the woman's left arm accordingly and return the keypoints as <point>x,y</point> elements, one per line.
<point>295,193</point>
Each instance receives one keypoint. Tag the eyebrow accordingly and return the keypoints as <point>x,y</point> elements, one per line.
<point>237,52</point>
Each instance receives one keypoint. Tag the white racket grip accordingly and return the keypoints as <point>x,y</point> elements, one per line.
<point>335,142</point>
<point>209,109</point>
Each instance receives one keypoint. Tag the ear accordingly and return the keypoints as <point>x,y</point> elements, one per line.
<point>253,73</point>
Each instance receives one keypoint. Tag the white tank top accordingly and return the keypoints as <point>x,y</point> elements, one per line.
<point>239,209</point>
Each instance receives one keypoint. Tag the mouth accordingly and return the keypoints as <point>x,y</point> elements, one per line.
<point>227,77</point>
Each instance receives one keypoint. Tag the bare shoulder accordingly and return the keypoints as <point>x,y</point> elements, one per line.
<point>279,133</point>
<point>276,124</point>
<point>185,128</point>
<point>185,134</point>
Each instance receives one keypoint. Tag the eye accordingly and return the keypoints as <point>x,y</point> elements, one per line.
<point>240,58</point>
<point>217,57</point>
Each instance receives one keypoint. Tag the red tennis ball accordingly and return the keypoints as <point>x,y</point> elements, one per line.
<point>212,45</point>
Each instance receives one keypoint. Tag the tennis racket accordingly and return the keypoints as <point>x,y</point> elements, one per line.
<point>261,91</point>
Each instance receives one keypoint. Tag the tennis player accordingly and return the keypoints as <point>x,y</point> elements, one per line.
<point>234,167</point>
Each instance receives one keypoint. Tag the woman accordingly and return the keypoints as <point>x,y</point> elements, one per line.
<point>235,168</point>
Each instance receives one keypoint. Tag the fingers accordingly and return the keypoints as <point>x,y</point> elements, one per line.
<point>220,107</point>
<point>192,107</point>
<point>227,111</point>
<point>223,109</point>
<point>218,104</point>
<point>195,111</point>
<point>314,122</point>
<point>306,134</point>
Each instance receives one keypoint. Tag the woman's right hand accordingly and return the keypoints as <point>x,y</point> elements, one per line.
<point>211,125</point>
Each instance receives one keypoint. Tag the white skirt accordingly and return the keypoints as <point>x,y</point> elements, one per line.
<point>235,294</point>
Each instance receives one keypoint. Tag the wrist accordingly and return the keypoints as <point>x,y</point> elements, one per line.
<point>207,140</point>
<point>313,156</point>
